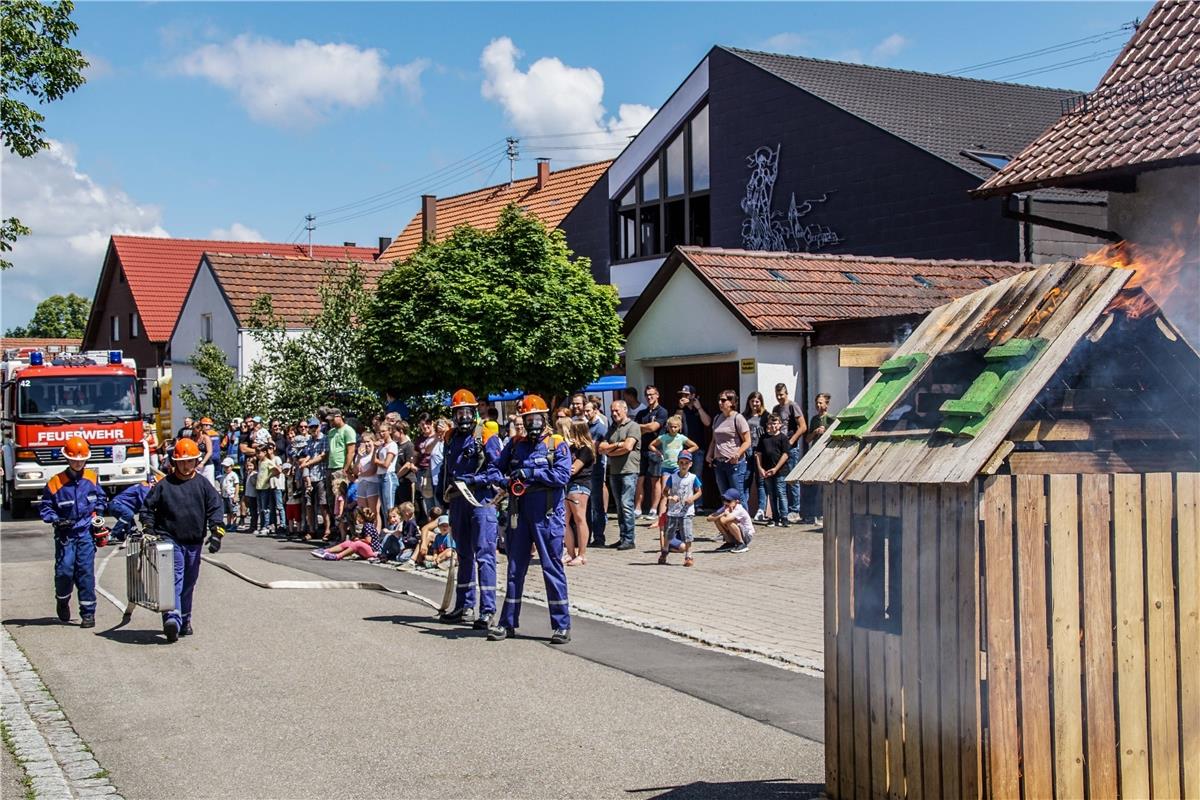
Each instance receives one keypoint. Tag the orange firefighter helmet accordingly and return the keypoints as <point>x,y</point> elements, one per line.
<point>532,404</point>
<point>463,398</point>
<point>76,449</point>
<point>185,450</point>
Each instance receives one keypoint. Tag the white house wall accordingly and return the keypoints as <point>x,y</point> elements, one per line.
<point>688,324</point>
<point>631,278</point>
<point>204,298</point>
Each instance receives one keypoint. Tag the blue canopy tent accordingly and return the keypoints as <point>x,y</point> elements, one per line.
<point>607,383</point>
<point>505,397</point>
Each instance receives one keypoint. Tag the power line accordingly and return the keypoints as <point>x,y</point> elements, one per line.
<point>1054,48</point>
<point>1062,64</point>
<point>580,133</point>
<point>476,156</point>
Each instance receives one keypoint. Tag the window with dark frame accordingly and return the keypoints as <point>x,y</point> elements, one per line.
<point>134,328</point>
<point>115,328</point>
<point>206,331</point>
<point>877,560</point>
<point>667,203</point>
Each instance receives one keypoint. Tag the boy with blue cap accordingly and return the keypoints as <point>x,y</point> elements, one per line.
<point>734,523</point>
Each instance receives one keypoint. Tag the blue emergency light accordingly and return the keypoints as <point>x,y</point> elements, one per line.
<point>114,356</point>
<point>36,359</point>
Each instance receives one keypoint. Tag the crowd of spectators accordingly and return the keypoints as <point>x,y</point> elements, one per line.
<point>375,493</point>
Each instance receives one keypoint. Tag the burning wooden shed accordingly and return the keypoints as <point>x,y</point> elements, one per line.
<point>1012,552</point>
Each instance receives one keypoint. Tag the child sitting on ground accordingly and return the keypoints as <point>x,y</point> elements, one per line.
<point>401,536</point>
<point>437,545</point>
<point>683,489</point>
<point>362,544</point>
<point>734,523</point>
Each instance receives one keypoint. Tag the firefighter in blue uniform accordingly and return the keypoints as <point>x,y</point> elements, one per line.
<point>538,469</point>
<point>72,502</point>
<point>180,508</point>
<point>475,463</point>
<point>128,503</point>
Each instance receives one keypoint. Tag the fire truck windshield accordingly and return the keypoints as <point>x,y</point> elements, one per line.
<point>77,397</point>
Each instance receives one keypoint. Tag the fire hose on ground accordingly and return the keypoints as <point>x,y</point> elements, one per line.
<point>447,595</point>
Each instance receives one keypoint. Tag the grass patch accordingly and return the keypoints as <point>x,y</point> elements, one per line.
<point>103,773</point>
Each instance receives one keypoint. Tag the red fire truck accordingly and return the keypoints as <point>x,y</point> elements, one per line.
<point>48,398</point>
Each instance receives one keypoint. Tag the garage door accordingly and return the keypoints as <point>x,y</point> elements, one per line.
<point>710,380</point>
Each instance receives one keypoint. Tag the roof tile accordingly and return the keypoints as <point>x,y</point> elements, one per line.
<point>1145,111</point>
<point>816,288</point>
<point>481,209</point>
<point>160,271</point>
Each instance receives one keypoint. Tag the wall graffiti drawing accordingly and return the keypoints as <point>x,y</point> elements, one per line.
<point>767,229</point>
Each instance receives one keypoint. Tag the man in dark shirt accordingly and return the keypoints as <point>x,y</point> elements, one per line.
<point>181,509</point>
<point>793,425</point>
<point>653,423</point>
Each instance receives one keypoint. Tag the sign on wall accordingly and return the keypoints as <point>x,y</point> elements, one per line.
<point>767,229</point>
<point>749,366</point>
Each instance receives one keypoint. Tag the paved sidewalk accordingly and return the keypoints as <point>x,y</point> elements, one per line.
<point>765,603</point>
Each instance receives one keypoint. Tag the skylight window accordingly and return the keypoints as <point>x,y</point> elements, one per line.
<point>777,275</point>
<point>996,161</point>
<point>850,276</point>
<point>923,281</point>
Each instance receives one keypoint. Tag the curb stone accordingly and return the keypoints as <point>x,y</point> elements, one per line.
<point>55,760</point>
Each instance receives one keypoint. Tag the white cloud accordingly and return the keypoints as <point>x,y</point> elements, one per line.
<point>237,232</point>
<point>553,98</point>
<point>889,47</point>
<point>98,67</point>
<point>302,83</point>
<point>71,217</point>
<point>786,42</point>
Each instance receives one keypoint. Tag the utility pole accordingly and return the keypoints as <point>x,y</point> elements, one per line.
<point>513,152</point>
<point>309,219</point>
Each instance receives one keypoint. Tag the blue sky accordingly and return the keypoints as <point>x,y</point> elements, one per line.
<point>233,120</point>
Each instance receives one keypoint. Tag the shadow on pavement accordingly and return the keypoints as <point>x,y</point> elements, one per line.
<point>134,636</point>
<point>735,790</point>
<point>429,625</point>
<point>38,622</point>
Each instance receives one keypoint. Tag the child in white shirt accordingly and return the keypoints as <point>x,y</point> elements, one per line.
<point>734,523</point>
<point>683,489</point>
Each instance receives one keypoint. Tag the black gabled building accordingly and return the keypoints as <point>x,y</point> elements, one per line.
<point>772,152</point>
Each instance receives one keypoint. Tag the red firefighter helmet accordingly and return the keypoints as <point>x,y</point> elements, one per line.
<point>463,398</point>
<point>185,450</point>
<point>532,404</point>
<point>76,449</point>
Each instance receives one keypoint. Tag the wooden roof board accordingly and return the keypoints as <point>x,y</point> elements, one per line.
<point>1004,417</point>
<point>1019,301</point>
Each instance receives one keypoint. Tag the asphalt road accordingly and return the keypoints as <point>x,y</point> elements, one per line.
<point>296,693</point>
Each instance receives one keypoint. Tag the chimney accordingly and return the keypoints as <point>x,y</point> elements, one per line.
<point>543,174</point>
<point>428,217</point>
<point>384,241</point>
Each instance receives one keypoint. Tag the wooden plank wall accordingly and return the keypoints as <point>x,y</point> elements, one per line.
<point>902,710</point>
<point>1091,616</point>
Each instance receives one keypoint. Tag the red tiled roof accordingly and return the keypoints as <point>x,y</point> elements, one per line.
<point>790,292</point>
<point>293,282</point>
<point>23,342</point>
<point>1145,113</point>
<point>481,209</point>
<point>159,271</point>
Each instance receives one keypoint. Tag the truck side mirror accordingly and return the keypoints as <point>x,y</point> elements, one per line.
<point>156,396</point>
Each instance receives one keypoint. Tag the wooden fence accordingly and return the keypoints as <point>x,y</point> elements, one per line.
<point>1043,639</point>
<point>1092,635</point>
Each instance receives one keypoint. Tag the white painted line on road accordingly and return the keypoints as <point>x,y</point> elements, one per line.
<point>55,759</point>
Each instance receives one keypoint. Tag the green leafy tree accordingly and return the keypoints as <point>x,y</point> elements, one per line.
<point>220,394</point>
<point>319,365</point>
<point>59,316</point>
<point>491,310</point>
<point>37,65</point>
